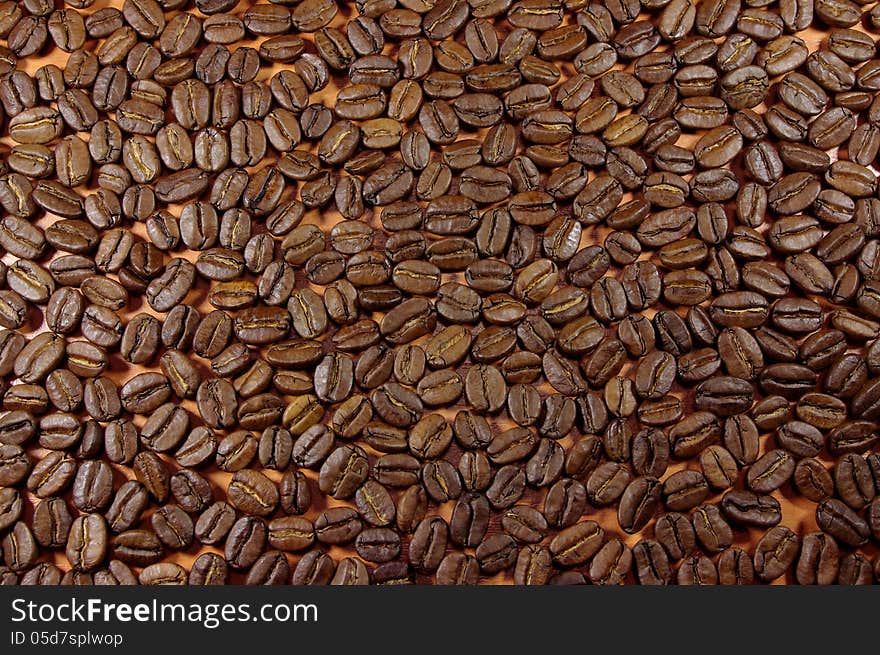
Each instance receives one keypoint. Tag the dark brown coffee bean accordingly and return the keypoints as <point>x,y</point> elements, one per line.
<point>87,544</point>
<point>747,508</point>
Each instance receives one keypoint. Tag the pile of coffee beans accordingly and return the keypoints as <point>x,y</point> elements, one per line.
<point>440,291</point>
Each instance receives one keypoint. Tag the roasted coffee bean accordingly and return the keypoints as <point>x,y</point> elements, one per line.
<point>87,543</point>
<point>838,520</point>
<point>315,568</point>
<point>428,544</point>
<point>775,553</point>
<point>252,492</point>
<point>92,486</point>
<point>819,560</point>
<point>611,564</point>
<point>676,534</point>
<point>564,503</point>
<point>651,563</point>
<point>800,439</point>
<point>712,530</point>
<point>496,553</point>
<point>747,508</point>
<point>735,567</point>
<point>246,541</point>
<point>853,480</point>
<point>638,503</point>
<point>137,548</point>
<point>770,471</point>
<point>127,507</point>
<point>52,522</point>
<point>577,544</point>
<point>470,520</point>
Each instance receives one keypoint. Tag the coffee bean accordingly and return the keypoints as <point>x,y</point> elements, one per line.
<point>839,521</point>
<point>577,544</point>
<point>87,544</point>
<point>711,529</point>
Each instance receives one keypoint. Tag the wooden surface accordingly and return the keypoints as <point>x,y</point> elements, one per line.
<point>798,514</point>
